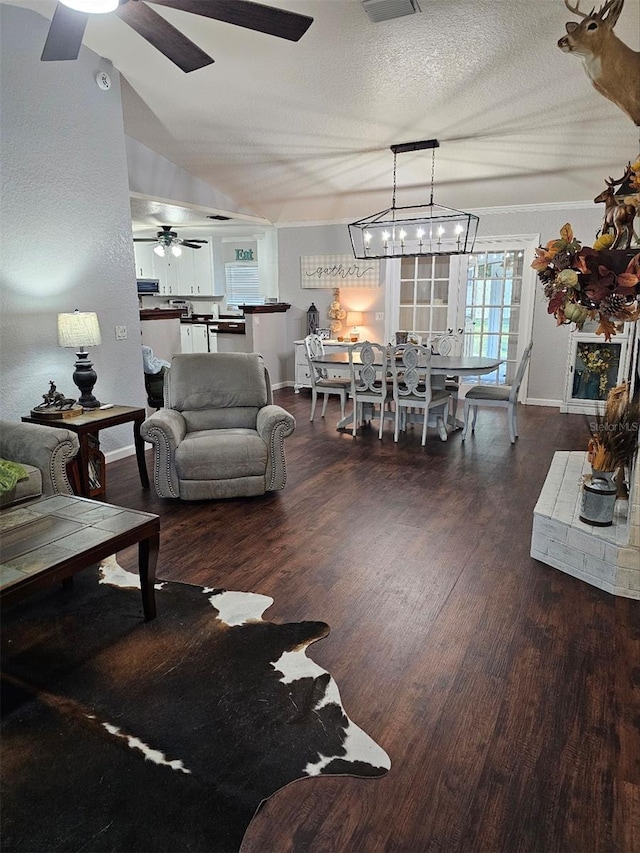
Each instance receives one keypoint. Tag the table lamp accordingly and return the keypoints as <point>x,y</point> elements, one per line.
<point>354,319</point>
<point>79,330</point>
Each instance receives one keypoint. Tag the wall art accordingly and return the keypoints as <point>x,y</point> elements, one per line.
<point>320,271</point>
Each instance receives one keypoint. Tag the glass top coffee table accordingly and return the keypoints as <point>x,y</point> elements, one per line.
<point>51,538</point>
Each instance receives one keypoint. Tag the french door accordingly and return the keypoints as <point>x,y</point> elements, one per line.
<point>488,294</point>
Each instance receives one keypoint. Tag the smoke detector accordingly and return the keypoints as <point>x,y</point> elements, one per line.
<point>386,10</point>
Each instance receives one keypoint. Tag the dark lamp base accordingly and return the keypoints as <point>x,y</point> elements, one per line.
<point>85,378</point>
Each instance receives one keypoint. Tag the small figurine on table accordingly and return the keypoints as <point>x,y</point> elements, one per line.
<point>54,399</point>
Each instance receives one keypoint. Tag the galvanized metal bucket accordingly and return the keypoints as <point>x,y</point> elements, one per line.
<point>598,501</point>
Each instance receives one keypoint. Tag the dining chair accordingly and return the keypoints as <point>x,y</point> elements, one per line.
<point>449,343</point>
<point>369,381</point>
<point>412,389</point>
<point>321,383</point>
<point>498,396</point>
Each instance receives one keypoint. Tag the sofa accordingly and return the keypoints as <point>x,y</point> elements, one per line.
<point>44,453</point>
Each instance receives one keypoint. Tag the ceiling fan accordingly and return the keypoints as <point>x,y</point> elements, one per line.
<point>70,19</point>
<point>168,241</point>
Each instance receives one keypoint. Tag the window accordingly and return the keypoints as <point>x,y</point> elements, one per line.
<point>424,295</point>
<point>243,284</point>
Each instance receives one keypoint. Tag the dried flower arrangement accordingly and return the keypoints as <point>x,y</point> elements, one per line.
<point>596,360</point>
<point>614,436</point>
<point>600,283</point>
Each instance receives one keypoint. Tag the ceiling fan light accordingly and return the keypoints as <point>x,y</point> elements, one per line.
<point>159,250</point>
<point>91,7</point>
<point>176,251</point>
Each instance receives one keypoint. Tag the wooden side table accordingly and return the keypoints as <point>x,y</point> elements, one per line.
<point>90,461</point>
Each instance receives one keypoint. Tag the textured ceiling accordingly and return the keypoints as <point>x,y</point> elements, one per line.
<point>301,131</point>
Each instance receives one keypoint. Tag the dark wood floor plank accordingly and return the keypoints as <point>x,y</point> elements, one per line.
<point>506,693</point>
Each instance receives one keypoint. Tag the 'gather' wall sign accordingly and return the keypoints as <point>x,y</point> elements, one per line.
<point>317,271</point>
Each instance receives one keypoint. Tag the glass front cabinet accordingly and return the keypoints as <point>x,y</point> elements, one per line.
<point>594,367</point>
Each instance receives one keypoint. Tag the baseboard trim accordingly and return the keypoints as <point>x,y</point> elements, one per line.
<point>121,453</point>
<point>538,401</point>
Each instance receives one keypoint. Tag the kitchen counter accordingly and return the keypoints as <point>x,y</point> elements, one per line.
<point>268,308</point>
<point>159,314</point>
<point>230,327</point>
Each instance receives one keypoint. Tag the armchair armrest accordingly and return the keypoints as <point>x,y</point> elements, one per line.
<point>165,429</point>
<point>44,447</point>
<point>273,425</point>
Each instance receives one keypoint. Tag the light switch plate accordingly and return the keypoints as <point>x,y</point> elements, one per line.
<point>121,333</point>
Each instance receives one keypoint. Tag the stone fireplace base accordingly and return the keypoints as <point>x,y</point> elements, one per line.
<point>606,557</point>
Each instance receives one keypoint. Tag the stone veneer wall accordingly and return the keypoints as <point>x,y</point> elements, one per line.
<point>606,557</point>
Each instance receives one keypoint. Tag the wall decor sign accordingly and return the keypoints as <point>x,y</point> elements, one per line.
<point>317,271</point>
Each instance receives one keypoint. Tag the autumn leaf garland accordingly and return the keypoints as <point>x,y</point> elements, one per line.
<point>589,283</point>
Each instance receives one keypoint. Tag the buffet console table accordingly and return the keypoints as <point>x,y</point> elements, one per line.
<point>605,557</point>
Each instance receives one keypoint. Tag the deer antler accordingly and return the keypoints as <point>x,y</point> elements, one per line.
<point>576,10</point>
<point>613,9</point>
<point>611,183</point>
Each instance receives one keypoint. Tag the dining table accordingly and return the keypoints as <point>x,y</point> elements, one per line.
<point>441,365</point>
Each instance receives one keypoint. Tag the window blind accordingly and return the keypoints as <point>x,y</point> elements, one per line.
<point>243,284</point>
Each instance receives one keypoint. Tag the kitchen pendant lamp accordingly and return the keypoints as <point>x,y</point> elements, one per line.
<point>423,230</point>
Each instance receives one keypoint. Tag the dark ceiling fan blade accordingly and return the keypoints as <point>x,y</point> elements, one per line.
<point>163,36</point>
<point>244,13</point>
<point>64,38</point>
<point>144,240</point>
<point>192,245</point>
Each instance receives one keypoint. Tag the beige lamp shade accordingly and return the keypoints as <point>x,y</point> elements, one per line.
<point>79,329</point>
<point>354,318</point>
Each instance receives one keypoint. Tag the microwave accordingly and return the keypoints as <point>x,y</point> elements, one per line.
<point>148,285</point>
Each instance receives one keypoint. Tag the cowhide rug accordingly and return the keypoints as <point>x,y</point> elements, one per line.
<point>125,736</point>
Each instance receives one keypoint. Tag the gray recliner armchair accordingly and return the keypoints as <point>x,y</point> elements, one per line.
<point>219,434</point>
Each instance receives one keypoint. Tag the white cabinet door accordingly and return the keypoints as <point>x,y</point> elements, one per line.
<point>186,338</point>
<point>201,271</point>
<point>302,377</point>
<point>200,337</point>
<point>144,255</point>
<point>168,274</point>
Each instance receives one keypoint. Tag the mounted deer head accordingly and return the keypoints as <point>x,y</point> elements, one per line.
<point>612,67</point>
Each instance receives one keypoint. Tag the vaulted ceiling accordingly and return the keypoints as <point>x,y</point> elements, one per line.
<point>300,131</point>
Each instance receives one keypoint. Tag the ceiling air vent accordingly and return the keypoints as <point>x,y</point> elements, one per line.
<point>219,217</point>
<point>385,10</point>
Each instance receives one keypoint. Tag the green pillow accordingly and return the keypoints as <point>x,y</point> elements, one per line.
<point>10,473</point>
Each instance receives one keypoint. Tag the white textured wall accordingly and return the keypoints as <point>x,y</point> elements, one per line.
<point>66,224</point>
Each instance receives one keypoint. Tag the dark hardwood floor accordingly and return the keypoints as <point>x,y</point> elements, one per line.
<point>506,693</point>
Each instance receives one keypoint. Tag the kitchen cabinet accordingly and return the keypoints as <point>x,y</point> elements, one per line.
<point>144,255</point>
<point>302,377</point>
<point>194,337</point>
<point>200,337</point>
<point>190,274</point>
<point>201,271</point>
<point>594,367</point>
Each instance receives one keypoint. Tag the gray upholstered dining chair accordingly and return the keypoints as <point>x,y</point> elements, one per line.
<point>321,382</point>
<point>449,343</point>
<point>219,434</point>
<point>412,389</point>
<point>497,396</point>
<point>368,367</point>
